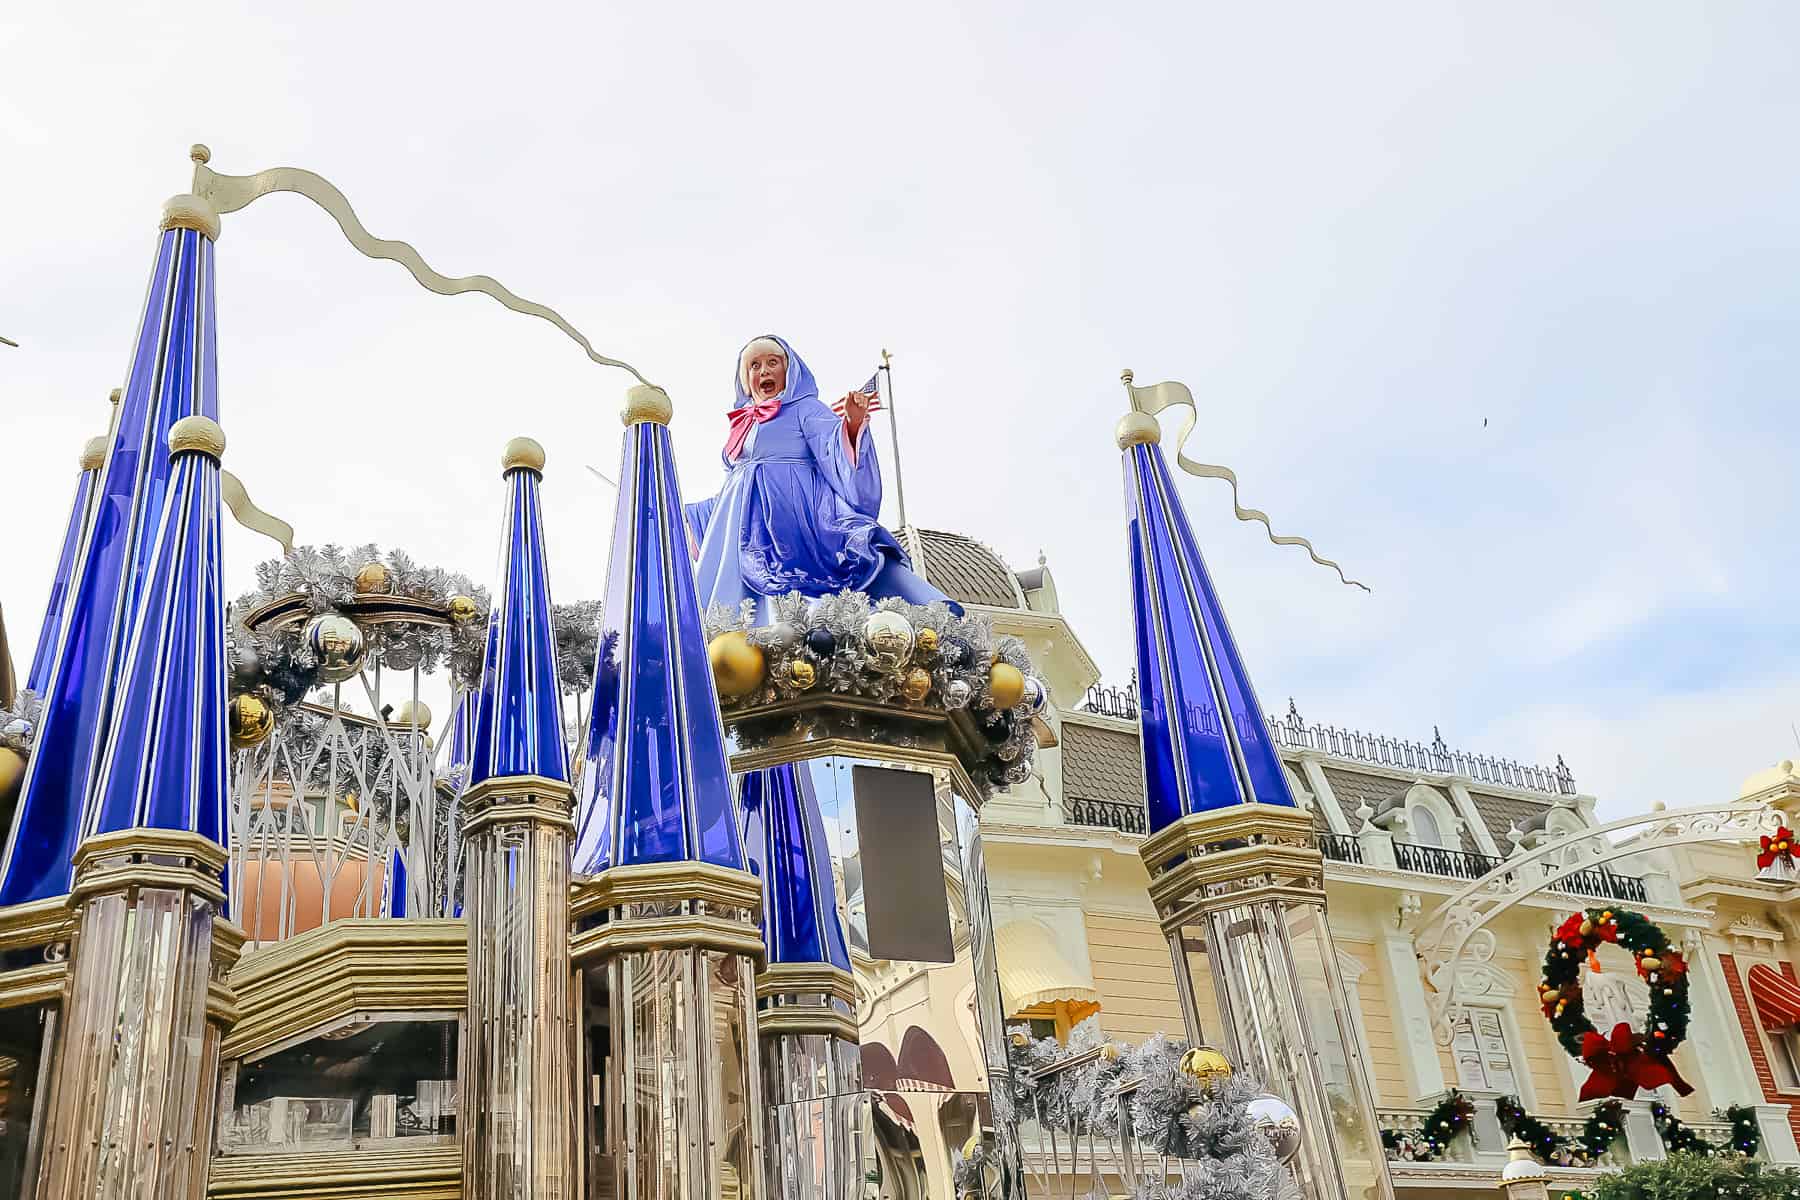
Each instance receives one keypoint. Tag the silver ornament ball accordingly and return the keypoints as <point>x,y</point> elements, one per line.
<point>781,636</point>
<point>336,645</point>
<point>956,694</point>
<point>889,637</point>
<point>18,727</point>
<point>1037,696</point>
<point>1276,1120</point>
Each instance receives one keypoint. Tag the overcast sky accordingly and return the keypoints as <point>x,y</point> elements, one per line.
<point>1496,303</point>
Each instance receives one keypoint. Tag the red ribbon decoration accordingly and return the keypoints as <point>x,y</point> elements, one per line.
<point>754,413</point>
<point>1623,1068</point>
<point>1779,846</point>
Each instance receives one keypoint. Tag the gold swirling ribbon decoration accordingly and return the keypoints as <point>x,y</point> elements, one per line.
<point>228,193</point>
<point>231,490</point>
<point>1153,400</point>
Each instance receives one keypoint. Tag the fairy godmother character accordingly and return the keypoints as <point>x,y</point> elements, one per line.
<point>797,511</point>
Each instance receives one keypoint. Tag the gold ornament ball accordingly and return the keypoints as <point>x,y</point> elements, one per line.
<point>1006,685</point>
<point>1206,1064</point>
<point>890,639</point>
<point>412,713</point>
<point>802,674</point>
<point>926,642</point>
<point>372,580</point>
<point>463,609</point>
<point>249,721</point>
<point>337,646</point>
<point>12,771</point>
<point>917,684</point>
<point>737,665</point>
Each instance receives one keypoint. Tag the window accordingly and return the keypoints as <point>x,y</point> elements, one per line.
<point>1784,1057</point>
<point>1484,1058</point>
<point>1425,827</point>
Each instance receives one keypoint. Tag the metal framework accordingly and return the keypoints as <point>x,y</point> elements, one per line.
<point>1458,930</point>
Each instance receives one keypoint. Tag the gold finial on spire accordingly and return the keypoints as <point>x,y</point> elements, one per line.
<point>188,211</point>
<point>522,453</point>
<point>199,153</point>
<point>93,454</point>
<point>197,433</point>
<point>645,402</point>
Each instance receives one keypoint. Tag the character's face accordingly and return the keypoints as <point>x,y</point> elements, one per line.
<point>768,374</point>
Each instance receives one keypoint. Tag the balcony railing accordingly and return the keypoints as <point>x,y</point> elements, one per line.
<point>1340,847</point>
<point>1106,814</point>
<point>1601,882</point>
<point>1436,860</point>
<point>1437,757</point>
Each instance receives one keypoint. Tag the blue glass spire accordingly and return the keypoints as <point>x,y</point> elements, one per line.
<point>93,456</point>
<point>518,714</point>
<point>1205,743</point>
<point>784,837</point>
<point>655,786</point>
<point>163,761</point>
<point>174,374</point>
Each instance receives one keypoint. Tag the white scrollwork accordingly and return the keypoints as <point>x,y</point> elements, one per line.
<point>1457,932</point>
<point>228,193</point>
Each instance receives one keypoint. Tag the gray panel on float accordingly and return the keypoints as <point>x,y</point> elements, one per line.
<point>903,865</point>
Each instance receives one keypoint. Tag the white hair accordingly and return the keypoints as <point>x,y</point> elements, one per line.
<point>761,345</point>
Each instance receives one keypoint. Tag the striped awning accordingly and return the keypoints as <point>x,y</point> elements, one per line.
<point>1777,998</point>
<point>1033,972</point>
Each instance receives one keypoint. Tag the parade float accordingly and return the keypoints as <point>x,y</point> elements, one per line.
<point>682,894</point>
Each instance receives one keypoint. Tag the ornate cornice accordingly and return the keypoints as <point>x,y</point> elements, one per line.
<point>422,1173</point>
<point>348,966</point>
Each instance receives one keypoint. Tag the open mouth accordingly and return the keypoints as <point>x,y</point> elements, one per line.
<point>767,387</point>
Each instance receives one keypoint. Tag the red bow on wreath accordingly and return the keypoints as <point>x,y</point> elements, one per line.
<point>1622,1067</point>
<point>1779,846</point>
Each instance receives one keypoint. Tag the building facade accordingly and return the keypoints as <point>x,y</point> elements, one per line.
<point>1405,826</point>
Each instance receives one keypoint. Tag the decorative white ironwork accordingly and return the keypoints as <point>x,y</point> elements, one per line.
<point>324,811</point>
<point>1456,935</point>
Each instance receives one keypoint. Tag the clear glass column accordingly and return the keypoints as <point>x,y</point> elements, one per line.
<point>131,1113</point>
<point>519,1101</point>
<point>1284,1016</point>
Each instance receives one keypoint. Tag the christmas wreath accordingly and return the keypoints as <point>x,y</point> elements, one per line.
<point>1624,1061</point>
<point>1677,1138</point>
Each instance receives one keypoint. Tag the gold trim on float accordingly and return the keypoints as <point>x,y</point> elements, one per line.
<point>359,964</point>
<point>792,1020</point>
<point>666,933</point>
<point>93,875</point>
<point>914,756</point>
<point>39,923</point>
<point>661,883</point>
<point>805,979</point>
<point>1237,822</point>
<point>518,800</point>
<point>41,984</point>
<point>390,1173</point>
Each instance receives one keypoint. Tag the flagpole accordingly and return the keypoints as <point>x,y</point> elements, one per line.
<point>894,433</point>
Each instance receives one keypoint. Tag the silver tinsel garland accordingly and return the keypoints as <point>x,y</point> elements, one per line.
<point>1206,1130</point>
<point>19,721</point>
<point>278,661</point>
<point>828,633</point>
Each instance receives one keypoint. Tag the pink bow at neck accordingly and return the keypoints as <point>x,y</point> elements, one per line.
<point>754,413</point>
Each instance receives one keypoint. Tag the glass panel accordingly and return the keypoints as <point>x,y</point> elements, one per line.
<point>21,1054</point>
<point>1470,1071</point>
<point>367,1083</point>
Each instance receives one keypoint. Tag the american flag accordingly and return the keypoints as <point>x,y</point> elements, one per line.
<point>871,389</point>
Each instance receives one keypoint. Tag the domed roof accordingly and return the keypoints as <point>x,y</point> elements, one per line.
<point>962,568</point>
<point>1770,777</point>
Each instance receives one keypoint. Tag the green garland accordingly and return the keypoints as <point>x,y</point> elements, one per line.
<point>1604,1126</point>
<point>1442,1125</point>
<point>1677,1138</point>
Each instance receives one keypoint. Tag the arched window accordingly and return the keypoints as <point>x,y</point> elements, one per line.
<point>1425,829</point>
